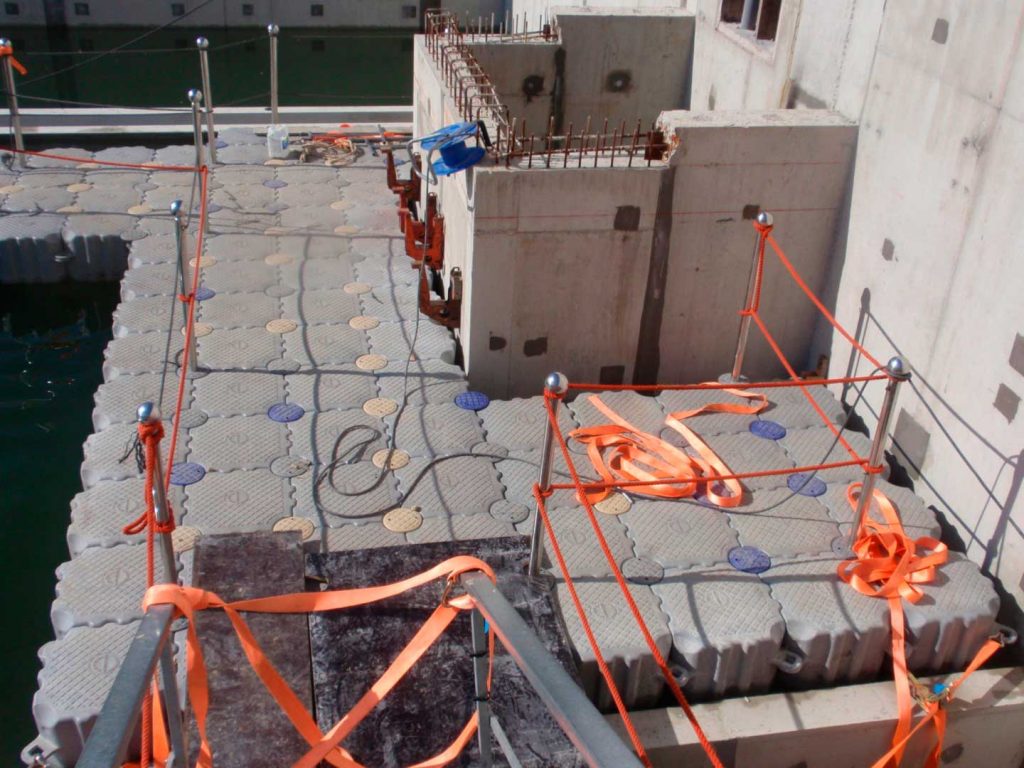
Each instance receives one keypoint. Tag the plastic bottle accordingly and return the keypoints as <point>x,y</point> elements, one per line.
<point>277,140</point>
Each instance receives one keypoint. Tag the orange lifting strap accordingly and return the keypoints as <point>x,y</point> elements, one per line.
<point>188,600</point>
<point>890,565</point>
<point>620,452</point>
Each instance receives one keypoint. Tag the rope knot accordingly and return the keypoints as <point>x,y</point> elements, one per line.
<point>8,51</point>
<point>151,431</point>
<point>763,229</point>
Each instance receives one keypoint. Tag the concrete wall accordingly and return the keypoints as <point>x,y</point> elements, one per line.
<point>728,166</point>
<point>553,284</point>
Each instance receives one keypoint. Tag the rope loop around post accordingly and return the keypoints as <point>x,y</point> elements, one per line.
<point>7,51</point>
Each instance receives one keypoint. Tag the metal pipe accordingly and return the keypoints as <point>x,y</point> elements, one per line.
<point>478,629</point>
<point>108,742</point>
<point>273,30</point>
<point>184,276</point>
<point>767,220</point>
<point>589,732</point>
<point>204,69</point>
<point>148,413</point>
<point>555,385</point>
<point>12,103</point>
<point>748,20</point>
<point>898,373</point>
<point>173,711</point>
<point>196,98</point>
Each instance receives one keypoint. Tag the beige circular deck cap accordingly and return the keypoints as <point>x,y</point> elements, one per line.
<point>80,187</point>
<point>371,362</point>
<point>357,288</point>
<point>70,209</point>
<point>346,229</point>
<point>340,205</point>
<point>140,209</point>
<point>208,261</point>
<point>403,519</point>
<point>301,524</point>
<point>399,458</point>
<point>276,259</point>
<point>10,189</point>
<point>615,504</point>
<point>275,161</point>
<point>380,406</point>
<point>200,329</point>
<point>184,537</point>
<point>363,322</point>
<point>282,325</point>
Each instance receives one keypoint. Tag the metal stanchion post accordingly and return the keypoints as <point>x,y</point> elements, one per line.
<point>273,30</point>
<point>764,219</point>
<point>555,384</point>
<point>204,69</point>
<point>148,413</point>
<point>12,102</point>
<point>478,629</point>
<point>195,97</point>
<point>184,276</point>
<point>898,373</point>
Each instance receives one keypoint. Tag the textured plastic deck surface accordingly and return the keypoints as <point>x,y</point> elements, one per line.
<point>308,314</point>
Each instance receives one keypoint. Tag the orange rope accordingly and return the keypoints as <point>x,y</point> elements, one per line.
<point>90,161</point>
<point>763,231</point>
<point>817,303</point>
<point>6,50</point>
<point>712,385</point>
<point>659,659</point>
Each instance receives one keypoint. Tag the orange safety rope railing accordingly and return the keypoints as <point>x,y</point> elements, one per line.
<point>153,736</point>
<point>886,562</point>
<point>323,746</point>
<point>7,51</point>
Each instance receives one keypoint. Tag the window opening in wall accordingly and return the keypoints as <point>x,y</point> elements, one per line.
<point>408,11</point>
<point>12,9</point>
<point>760,17</point>
<point>247,9</point>
<point>81,9</point>
<point>177,9</point>
<point>316,9</point>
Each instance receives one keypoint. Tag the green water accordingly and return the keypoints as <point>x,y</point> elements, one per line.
<point>51,349</point>
<point>316,66</point>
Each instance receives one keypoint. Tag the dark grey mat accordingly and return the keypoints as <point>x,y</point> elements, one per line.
<point>428,708</point>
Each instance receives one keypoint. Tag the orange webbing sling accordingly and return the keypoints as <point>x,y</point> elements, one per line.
<point>887,564</point>
<point>620,452</point>
<point>188,600</point>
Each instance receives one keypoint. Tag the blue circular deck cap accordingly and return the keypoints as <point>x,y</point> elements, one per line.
<point>472,401</point>
<point>187,473</point>
<point>220,144</point>
<point>749,559</point>
<point>285,412</point>
<point>806,485</point>
<point>275,183</point>
<point>769,430</point>
<point>203,293</point>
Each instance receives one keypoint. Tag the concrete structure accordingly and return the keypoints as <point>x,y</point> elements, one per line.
<point>918,260</point>
<point>235,13</point>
